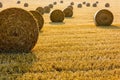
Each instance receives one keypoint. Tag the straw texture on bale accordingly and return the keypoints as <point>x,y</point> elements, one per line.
<point>103,18</point>
<point>18,30</point>
<point>88,4</point>
<point>57,16</point>
<point>18,2</point>
<point>68,12</point>
<point>79,5</point>
<point>61,1</point>
<point>39,18</point>
<point>26,4</point>
<point>72,3</point>
<point>50,5</point>
<point>94,5</point>
<point>40,10</point>
<point>107,5</point>
<point>46,9</point>
<point>1,5</point>
<point>70,6</point>
<point>54,3</point>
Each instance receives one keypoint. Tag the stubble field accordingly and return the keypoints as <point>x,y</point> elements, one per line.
<point>73,50</point>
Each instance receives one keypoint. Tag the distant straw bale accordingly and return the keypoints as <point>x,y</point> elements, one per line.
<point>1,5</point>
<point>51,5</point>
<point>40,10</point>
<point>103,18</point>
<point>72,3</point>
<point>39,19</point>
<point>18,2</point>
<point>94,5</point>
<point>79,5</point>
<point>46,9</point>
<point>57,16</point>
<point>61,1</point>
<point>70,6</point>
<point>54,3</point>
<point>88,4</point>
<point>97,2</point>
<point>26,4</point>
<point>107,5</point>
<point>84,2</point>
<point>18,30</point>
<point>68,12</point>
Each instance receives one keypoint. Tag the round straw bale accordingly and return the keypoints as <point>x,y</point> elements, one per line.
<point>18,30</point>
<point>79,5</point>
<point>61,1</point>
<point>103,18</point>
<point>46,9</point>
<point>54,3</point>
<point>18,2</point>
<point>68,12</point>
<point>70,6</point>
<point>39,19</point>
<point>84,2</point>
<point>1,5</point>
<point>26,4</point>
<point>50,5</point>
<point>107,5</point>
<point>57,16</point>
<point>88,4</point>
<point>72,3</point>
<point>97,2</point>
<point>40,10</point>
<point>94,5</point>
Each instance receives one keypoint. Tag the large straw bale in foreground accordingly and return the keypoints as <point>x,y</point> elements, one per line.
<point>18,30</point>
<point>103,18</point>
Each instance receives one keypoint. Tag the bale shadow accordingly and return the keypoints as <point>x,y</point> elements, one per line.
<point>109,27</point>
<point>69,17</point>
<point>56,23</point>
<point>14,65</point>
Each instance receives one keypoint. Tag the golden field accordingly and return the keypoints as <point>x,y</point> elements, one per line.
<point>73,50</point>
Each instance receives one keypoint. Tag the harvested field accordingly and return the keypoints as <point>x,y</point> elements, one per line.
<point>74,50</point>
